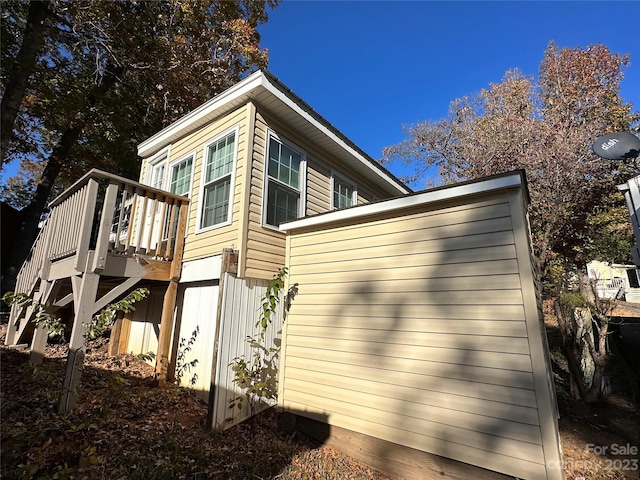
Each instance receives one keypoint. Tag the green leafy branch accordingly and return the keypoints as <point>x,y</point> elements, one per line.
<point>101,321</point>
<point>270,300</point>
<point>42,318</point>
<point>182,365</point>
<point>258,376</point>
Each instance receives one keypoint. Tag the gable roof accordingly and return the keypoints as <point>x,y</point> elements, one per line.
<point>271,94</point>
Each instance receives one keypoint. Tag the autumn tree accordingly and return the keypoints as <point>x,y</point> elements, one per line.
<point>546,128</point>
<point>84,81</point>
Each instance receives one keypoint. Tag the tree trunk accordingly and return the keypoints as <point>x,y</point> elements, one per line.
<point>29,217</point>
<point>22,68</point>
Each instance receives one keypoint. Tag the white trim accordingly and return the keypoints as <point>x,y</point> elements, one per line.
<point>302,206</point>
<point>429,196</point>
<point>203,269</point>
<point>232,177</point>
<point>345,179</point>
<point>248,88</point>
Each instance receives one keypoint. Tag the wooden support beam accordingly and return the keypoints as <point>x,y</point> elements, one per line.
<point>63,302</point>
<point>169,302</point>
<point>166,330</point>
<point>115,293</point>
<point>38,345</point>
<point>85,288</point>
<point>116,334</point>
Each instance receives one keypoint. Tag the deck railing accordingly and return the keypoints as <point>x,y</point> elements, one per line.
<point>108,214</point>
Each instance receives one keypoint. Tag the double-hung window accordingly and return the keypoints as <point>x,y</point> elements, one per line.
<point>180,184</point>
<point>156,171</point>
<point>344,192</point>
<point>285,169</point>
<point>217,181</point>
<point>180,180</point>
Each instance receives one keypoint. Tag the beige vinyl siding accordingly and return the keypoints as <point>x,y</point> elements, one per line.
<point>212,242</point>
<point>413,329</point>
<point>318,187</point>
<point>265,246</point>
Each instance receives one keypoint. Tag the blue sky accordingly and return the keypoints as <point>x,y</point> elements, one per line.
<point>369,67</point>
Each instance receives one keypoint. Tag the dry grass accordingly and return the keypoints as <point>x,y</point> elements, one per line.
<point>127,428</point>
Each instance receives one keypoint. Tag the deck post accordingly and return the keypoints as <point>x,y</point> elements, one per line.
<point>166,330</point>
<point>169,302</point>
<point>85,288</point>
<point>38,345</point>
<point>49,291</point>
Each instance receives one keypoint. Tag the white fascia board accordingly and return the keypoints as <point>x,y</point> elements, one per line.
<point>389,206</point>
<point>164,136</point>
<point>200,270</point>
<point>244,87</point>
<point>331,134</point>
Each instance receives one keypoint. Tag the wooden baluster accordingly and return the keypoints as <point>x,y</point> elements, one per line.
<point>174,207</point>
<point>152,224</point>
<point>141,224</point>
<point>104,229</point>
<point>163,219</point>
<point>132,218</point>
<point>123,200</point>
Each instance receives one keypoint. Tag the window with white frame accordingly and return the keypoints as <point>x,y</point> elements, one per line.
<point>156,175</point>
<point>157,171</point>
<point>344,192</point>
<point>180,184</point>
<point>180,179</point>
<point>285,171</point>
<point>217,181</point>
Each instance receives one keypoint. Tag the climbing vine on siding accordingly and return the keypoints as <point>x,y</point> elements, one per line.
<point>258,375</point>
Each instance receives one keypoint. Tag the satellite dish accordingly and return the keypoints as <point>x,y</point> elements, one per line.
<point>617,146</point>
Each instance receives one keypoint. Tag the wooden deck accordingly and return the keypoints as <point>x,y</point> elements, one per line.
<point>103,236</point>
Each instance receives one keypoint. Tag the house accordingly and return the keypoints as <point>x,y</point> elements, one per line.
<point>417,335</point>
<point>615,281</point>
<point>631,192</point>
<point>205,206</point>
<point>437,284</point>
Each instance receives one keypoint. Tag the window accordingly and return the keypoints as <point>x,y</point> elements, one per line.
<point>180,182</point>
<point>156,172</point>
<point>217,181</point>
<point>634,277</point>
<point>285,167</point>
<point>156,175</point>
<point>344,192</point>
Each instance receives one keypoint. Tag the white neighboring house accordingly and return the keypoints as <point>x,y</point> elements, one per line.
<point>615,281</point>
<point>631,192</point>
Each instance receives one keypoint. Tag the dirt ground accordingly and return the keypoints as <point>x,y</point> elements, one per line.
<point>127,428</point>
<point>599,441</point>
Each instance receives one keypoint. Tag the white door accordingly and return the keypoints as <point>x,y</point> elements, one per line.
<point>197,310</point>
